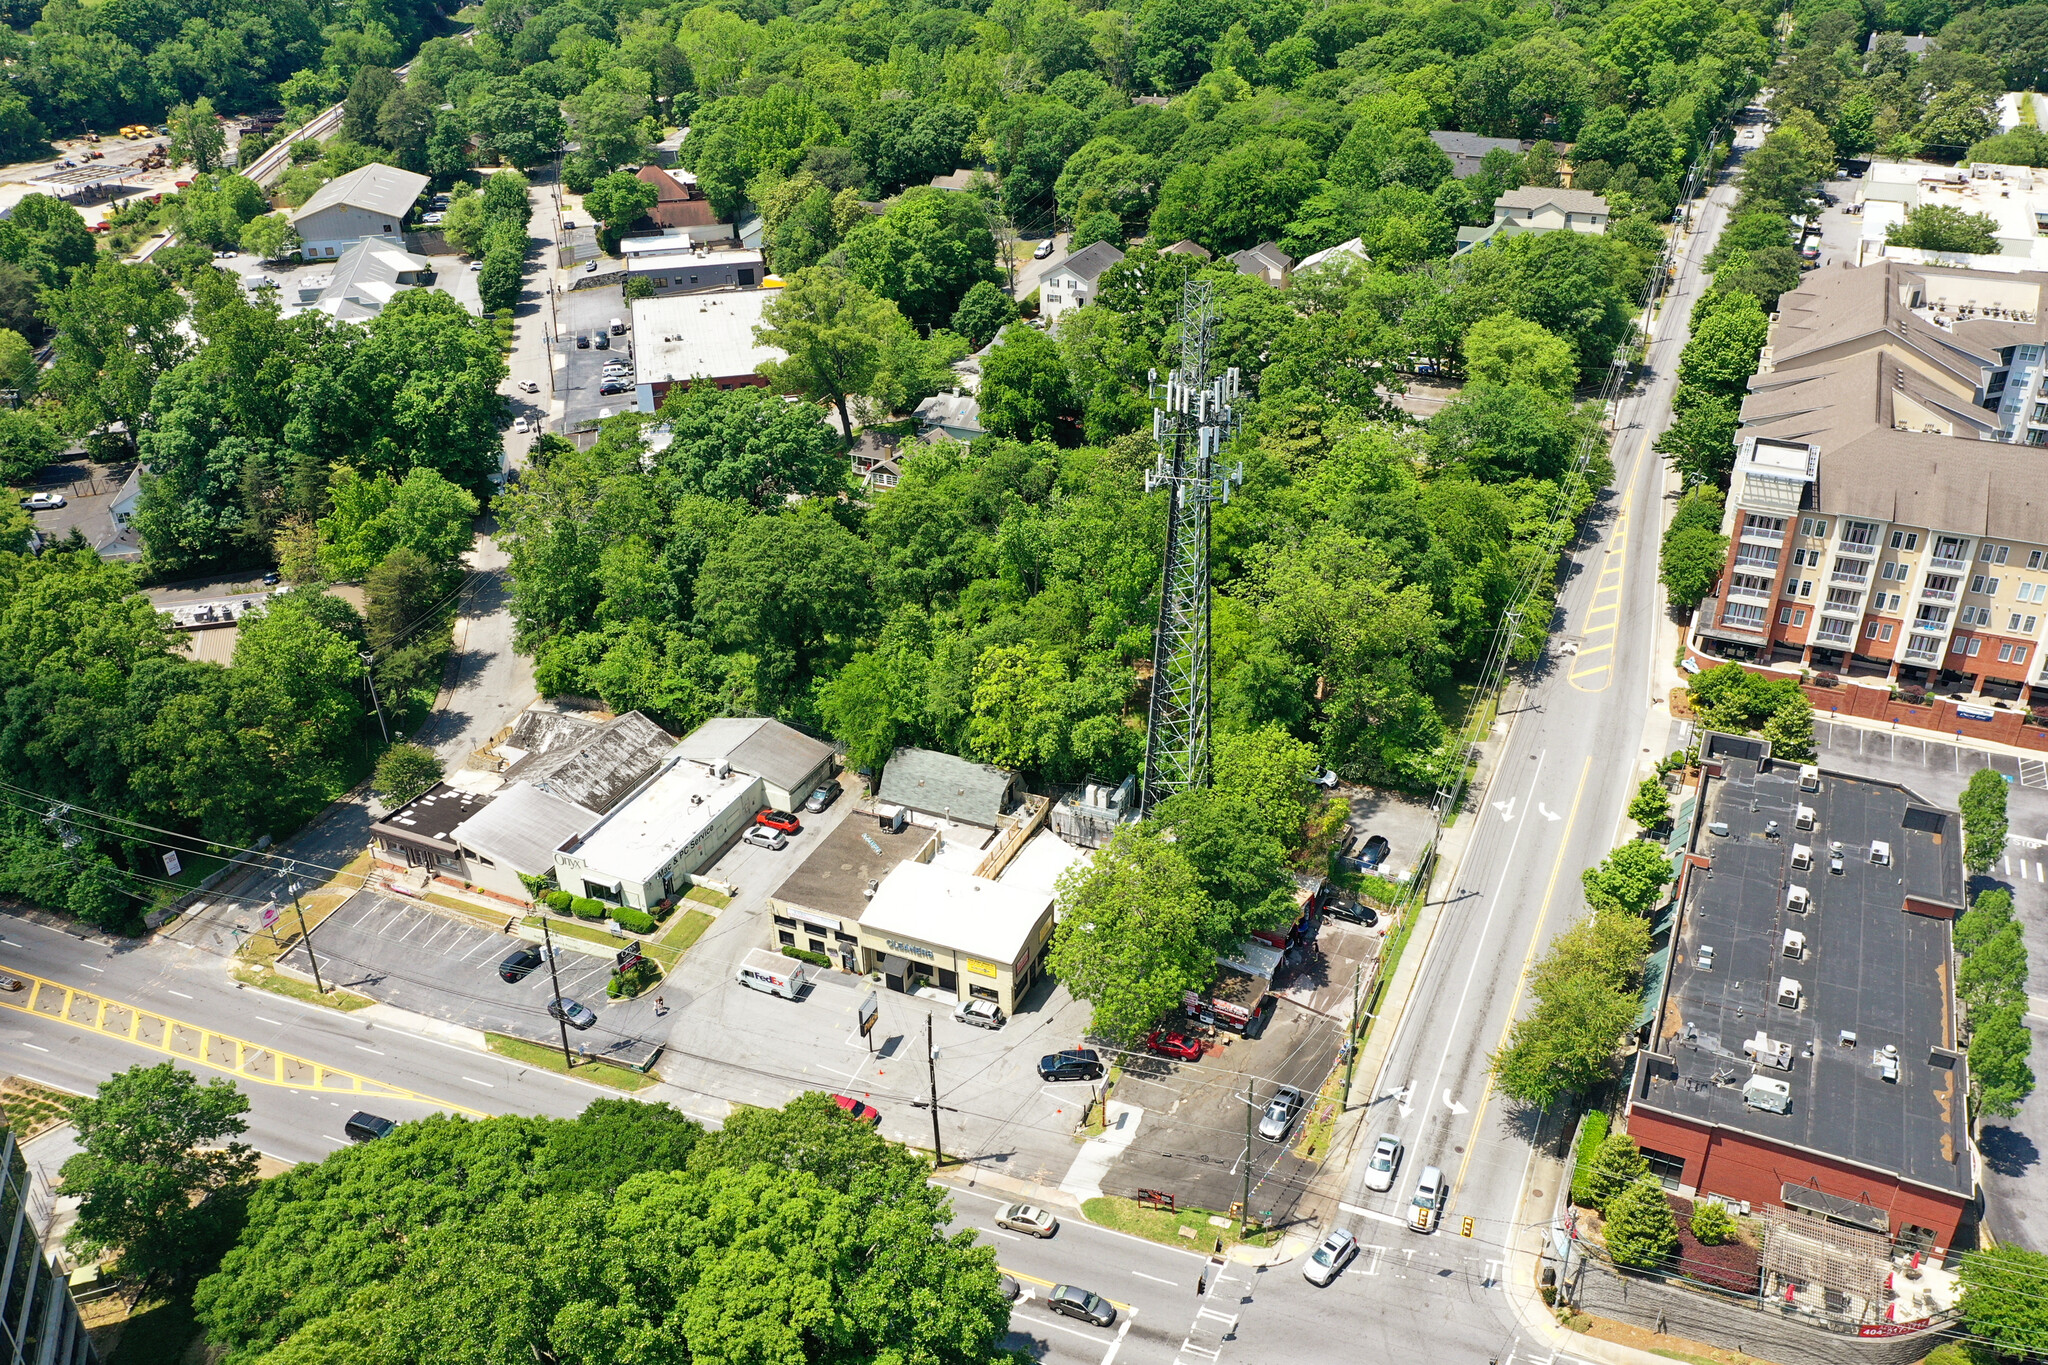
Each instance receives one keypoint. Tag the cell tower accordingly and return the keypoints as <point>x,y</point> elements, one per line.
<point>1194,419</point>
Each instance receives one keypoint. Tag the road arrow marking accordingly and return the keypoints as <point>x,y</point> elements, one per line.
<point>1506,808</point>
<point>1453,1105</point>
<point>1547,813</point>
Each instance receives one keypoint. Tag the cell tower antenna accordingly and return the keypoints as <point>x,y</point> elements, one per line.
<point>1194,418</point>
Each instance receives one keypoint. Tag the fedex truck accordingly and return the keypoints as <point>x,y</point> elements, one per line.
<point>773,973</point>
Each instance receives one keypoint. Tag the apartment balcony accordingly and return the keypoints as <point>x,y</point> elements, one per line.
<point>1937,595</point>
<point>1750,594</point>
<point>1857,577</point>
<point>1840,633</point>
<point>1940,563</point>
<point>1858,548</point>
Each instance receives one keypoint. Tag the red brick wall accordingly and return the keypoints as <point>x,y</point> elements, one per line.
<point>1738,1166</point>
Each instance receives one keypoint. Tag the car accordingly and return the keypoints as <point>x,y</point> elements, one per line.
<point>1383,1163</point>
<point>760,836</point>
<point>582,342</point>
<point>980,1013</point>
<point>778,819</point>
<point>519,965</point>
<point>590,268</point>
<point>1009,1289</point>
<point>519,425</point>
<point>1280,1113</point>
<point>42,502</point>
<point>604,341</point>
<point>1168,1044</point>
<point>822,796</point>
<point>1077,1064</point>
<point>528,386</point>
<point>862,1113</point>
<point>272,579</point>
<point>363,1126</point>
<point>568,224</point>
<point>433,219</point>
<point>613,388</point>
<point>1332,1256</point>
<point>1374,852</point>
<point>1430,1193</point>
<point>225,255</point>
<point>569,1012</point>
<point>1346,906</point>
<point>1074,1302</point>
<point>1042,250</point>
<point>1028,1219</point>
<point>476,265</point>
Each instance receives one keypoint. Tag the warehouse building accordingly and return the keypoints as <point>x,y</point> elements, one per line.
<point>369,202</point>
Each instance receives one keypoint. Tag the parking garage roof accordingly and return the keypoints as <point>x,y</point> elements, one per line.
<point>1869,968</point>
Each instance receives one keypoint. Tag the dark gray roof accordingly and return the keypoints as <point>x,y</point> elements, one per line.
<point>1869,967</point>
<point>768,749</point>
<point>941,784</point>
<point>1091,260</point>
<point>524,827</point>
<point>597,769</point>
<point>834,879</point>
<point>1472,144</point>
<point>433,814</point>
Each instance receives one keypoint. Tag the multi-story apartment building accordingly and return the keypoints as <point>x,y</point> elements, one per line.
<point>1883,518</point>
<point>39,1323</point>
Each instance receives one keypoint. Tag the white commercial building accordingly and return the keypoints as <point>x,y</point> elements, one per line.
<point>2015,198</point>
<point>932,927</point>
<point>706,337</point>
<point>645,850</point>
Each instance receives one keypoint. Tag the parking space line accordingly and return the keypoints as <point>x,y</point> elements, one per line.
<point>1062,1327</point>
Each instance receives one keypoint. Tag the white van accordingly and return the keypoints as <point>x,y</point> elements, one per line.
<point>618,327</point>
<point>773,973</point>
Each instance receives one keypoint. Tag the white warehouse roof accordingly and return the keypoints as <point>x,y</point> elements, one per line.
<point>699,335</point>
<point>376,187</point>
<point>950,909</point>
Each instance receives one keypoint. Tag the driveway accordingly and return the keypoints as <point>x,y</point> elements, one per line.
<point>588,313</point>
<point>1031,270</point>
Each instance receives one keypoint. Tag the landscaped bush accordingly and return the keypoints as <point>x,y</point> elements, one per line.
<point>804,955</point>
<point>558,901</point>
<point>634,921</point>
<point>632,981</point>
<point>1590,1137</point>
<point>1728,1264</point>
<point>583,907</point>
<point>1711,1226</point>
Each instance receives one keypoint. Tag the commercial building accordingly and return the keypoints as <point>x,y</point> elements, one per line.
<point>2015,198</point>
<point>39,1323</point>
<point>369,202</point>
<point>1533,208</point>
<point>1884,518</point>
<point>1802,1049</point>
<point>698,337</point>
<point>790,764</point>
<point>930,926</point>
<point>681,203</point>
<point>697,269</point>
<point>953,789</point>
<point>367,276</point>
<point>1071,283</point>
<point>818,906</point>
<point>645,850</point>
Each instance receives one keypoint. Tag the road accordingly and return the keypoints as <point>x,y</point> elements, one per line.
<point>1569,759</point>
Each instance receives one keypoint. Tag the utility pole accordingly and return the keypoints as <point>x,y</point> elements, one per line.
<point>291,886</point>
<point>369,676</point>
<point>555,981</point>
<point>932,1065</point>
<point>1244,1208</point>
<point>1351,1042</point>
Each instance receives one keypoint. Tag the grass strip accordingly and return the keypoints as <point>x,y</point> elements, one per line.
<point>704,895</point>
<point>1159,1225</point>
<point>279,984</point>
<point>684,933</point>
<point>550,1059</point>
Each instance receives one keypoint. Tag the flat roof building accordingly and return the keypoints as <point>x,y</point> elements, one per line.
<point>1802,1052</point>
<point>790,764</point>
<point>931,926</point>
<point>706,337</point>
<point>421,833</point>
<point>818,906</point>
<point>644,851</point>
<point>689,272</point>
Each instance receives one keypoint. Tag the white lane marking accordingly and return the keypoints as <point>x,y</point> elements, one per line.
<point>1121,1333</point>
<point>474,1081</point>
<point>1062,1327</point>
<point>1374,1214</point>
<point>39,1049</point>
<point>361,1048</point>
<point>89,967</point>
<point>263,1020</point>
<point>1453,1105</point>
<point>1155,1279</point>
<point>180,994</point>
<point>1011,1236</point>
<point>1506,808</point>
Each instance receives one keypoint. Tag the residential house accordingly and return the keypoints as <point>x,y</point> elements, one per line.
<point>1185,247</point>
<point>681,204</point>
<point>1533,208</point>
<point>366,277</point>
<point>1353,250</point>
<point>952,414</point>
<point>1267,262</point>
<point>369,202</point>
<point>1071,283</point>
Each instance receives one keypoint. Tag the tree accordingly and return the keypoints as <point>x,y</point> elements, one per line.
<point>150,1182</point>
<point>372,516</point>
<point>1945,227</point>
<point>1650,807</point>
<point>609,116</point>
<point>373,85</point>
<point>1567,1046</point>
<point>924,253</point>
<point>746,444</point>
<point>1241,198</point>
<point>1641,1229</point>
<point>1700,442</point>
<point>618,200</point>
<point>983,312</point>
<point>1617,1165</point>
<point>1984,821</point>
<point>833,332</point>
<point>1099,226</point>
<point>1630,878</point>
<point>1711,1225</point>
<point>2000,1042</point>
<point>1789,731</point>
<point>464,223</point>
<point>1722,353</point>
<point>403,772</point>
<point>1505,349</point>
<point>515,123</point>
<point>1136,933</point>
<point>117,332</point>
<point>270,237</point>
<point>196,135</point>
<point>1025,392</point>
<point>1986,918</point>
<point>1690,565</point>
<point>908,141</point>
<point>790,590</point>
<point>2001,1302</point>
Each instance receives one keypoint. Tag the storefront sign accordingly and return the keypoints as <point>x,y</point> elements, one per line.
<point>915,949</point>
<point>1892,1329</point>
<point>869,1008</point>
<point>1971,711</point>
<point>980,968</point>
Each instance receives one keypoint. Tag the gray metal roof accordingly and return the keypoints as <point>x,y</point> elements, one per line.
<point>1536,197</point>
<point>1869,966</point>
<point>779,755</point>
<point>1091,260</point>
<point>941,784</point>
<point>376,187</point>
<point>523,828</point>
<point>433,813</point>
<point>599,770</point>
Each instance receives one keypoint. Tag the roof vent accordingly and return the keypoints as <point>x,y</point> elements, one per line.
<point>1788,993</point>
<point>1804,819</point>
<point>1888,1063</point>
<point>1795,943</point>
<point>1768,1053</point>
<point>1802,857</point>
<point>1768,1094</point>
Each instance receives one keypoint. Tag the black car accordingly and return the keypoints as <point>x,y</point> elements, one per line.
<point>520,964</point>
<point>363,1126</point>
<point>1081,1064</point>
<point>613,386</point>
<point>604,341</point>
<point>582,342</point>
<point>1374,853</point>
<point>1346,906</point>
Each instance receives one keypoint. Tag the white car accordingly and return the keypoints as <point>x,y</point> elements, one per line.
<point>1385,1160</point>
<point>980,1013</point>
<point>225,255</point>
<point>1428,1204</point>
<point>42,502</point>
<point>476,265</point>
<point>528,386</point>
<point>1330,1258</point>
<point>761,836</point>
<point>1028,1219</point>
<point>519,426</point>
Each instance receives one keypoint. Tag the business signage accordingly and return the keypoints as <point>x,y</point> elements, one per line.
<point>172,867</point>
<point>913,949</point>
<point>1893,1329</point>
<point>980,968</point>
<point>1971,711</point>
<point>869,1009</point>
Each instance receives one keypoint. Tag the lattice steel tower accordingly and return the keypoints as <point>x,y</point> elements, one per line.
<point>1194,420</point>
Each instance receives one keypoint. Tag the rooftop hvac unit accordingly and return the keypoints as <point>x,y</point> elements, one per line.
<point>1788,993</point>
<point>721,769</point>
<point>1795,943</point>
<point>1706,957</point>
<point>1848,1038</point>
<point>1804,819</point>
<point>1809,778</point>
<point>1888,1062</point>
<point>1802,857</point>
<point>1718,828</point>
<point>1880,853</point>
<point>1797,899</point>
<point>1769,1053</point>
<point>1768,1094</point>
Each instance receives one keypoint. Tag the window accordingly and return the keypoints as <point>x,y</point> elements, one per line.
<point>1784,616</point>
<point>1931,618</point>
<point>1757,557</point>
<point>1891,603</point>
<point>661,281</point>
<point>387,227</point>
<point>1967,616</point>
<point>1844,599</point>
<point>1743,614</point>
<point>746,277</point>
<point>1052,298</point>
<point>1975,645</point>
<point>1669,1170</point>
<point>2005,654</point>
<point>1749,585</point>
<point>1976,582</point>
<point>2034,560</point>
<point>1993,554</point>
<point>1755,525</point>
<point>1806,587</point>
<point>1814,526</point>
<point>1905,540</point>
<point>2019,654</point>
<point>948,980</point>
<point>1888,571</point>
<point>2027,625</point>
<point>2036,436</point>
<point>786,938</point>
<point>1799,617</point>
<point>1991,587</point>
<point>1885,633</point>
<point>1870,631</point>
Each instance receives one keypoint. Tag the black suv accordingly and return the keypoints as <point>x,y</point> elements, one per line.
<point>517,967</point>
<point>1082,1064</point>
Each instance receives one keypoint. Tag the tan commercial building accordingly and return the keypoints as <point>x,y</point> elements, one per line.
<point>1884,517</point>
<point>929,925</point>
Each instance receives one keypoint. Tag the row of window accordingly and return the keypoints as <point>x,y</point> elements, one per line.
<point>1863,533</point>
<point>1882,631</point>
<point>2016,622</point>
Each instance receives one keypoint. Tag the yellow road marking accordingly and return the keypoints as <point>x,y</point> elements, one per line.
<point>1564,844</point>
<point>1048,1284</point>
<point>244,1060</point>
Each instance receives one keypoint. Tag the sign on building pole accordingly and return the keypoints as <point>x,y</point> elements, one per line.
<point>870,1008</point>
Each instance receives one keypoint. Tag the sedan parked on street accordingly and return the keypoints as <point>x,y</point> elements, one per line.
<point>1028,1219</point>
<point>569,1012</point>
<point>1280,1113</point>
<point>1383,1163</point>
<point>1074,1302</point>
<point>1330,1258</point>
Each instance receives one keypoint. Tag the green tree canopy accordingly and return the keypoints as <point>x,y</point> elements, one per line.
<point>1945,227</point>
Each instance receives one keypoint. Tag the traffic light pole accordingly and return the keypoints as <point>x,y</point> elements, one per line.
<point>555,981</point>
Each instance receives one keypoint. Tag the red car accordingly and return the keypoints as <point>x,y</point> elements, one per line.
<point>778,819</point>
<point>1173,1045</point>
<point>862,1113</point>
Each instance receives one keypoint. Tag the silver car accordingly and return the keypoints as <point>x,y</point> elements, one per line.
<point>1330,1258</point>
<point>1028,1219</point>
<point>1384,1162</point>
<point>1280,1112</point>
<point>980,1013</point>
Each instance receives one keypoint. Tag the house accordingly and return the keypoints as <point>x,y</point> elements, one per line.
<point>689,272</point>
<point>366,277</point>
<point>1802,1051</point>
<point>710,337</point>
<point>790,764</point>
<point>1467,151</point>
<point>1184,247</point>
<point>961,179</point>
<point>1916,45</point>
<point>953,789</point>
<point>1071,283</point>
<point>369,202</point>
<point>875,459</point>
<point>1353,250</point>
<point>1267,262</point>
<point>1533,208</point>
<point>952,414</point>
<point>680,203</point>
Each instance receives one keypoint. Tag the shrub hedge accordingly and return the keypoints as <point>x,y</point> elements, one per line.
<point>583,907</point>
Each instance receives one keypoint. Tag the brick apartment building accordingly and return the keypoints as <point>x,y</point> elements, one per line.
<point>1884,518</point>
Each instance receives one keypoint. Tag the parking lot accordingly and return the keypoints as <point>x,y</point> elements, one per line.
<point>408,955</point>
<point>589,313</point>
